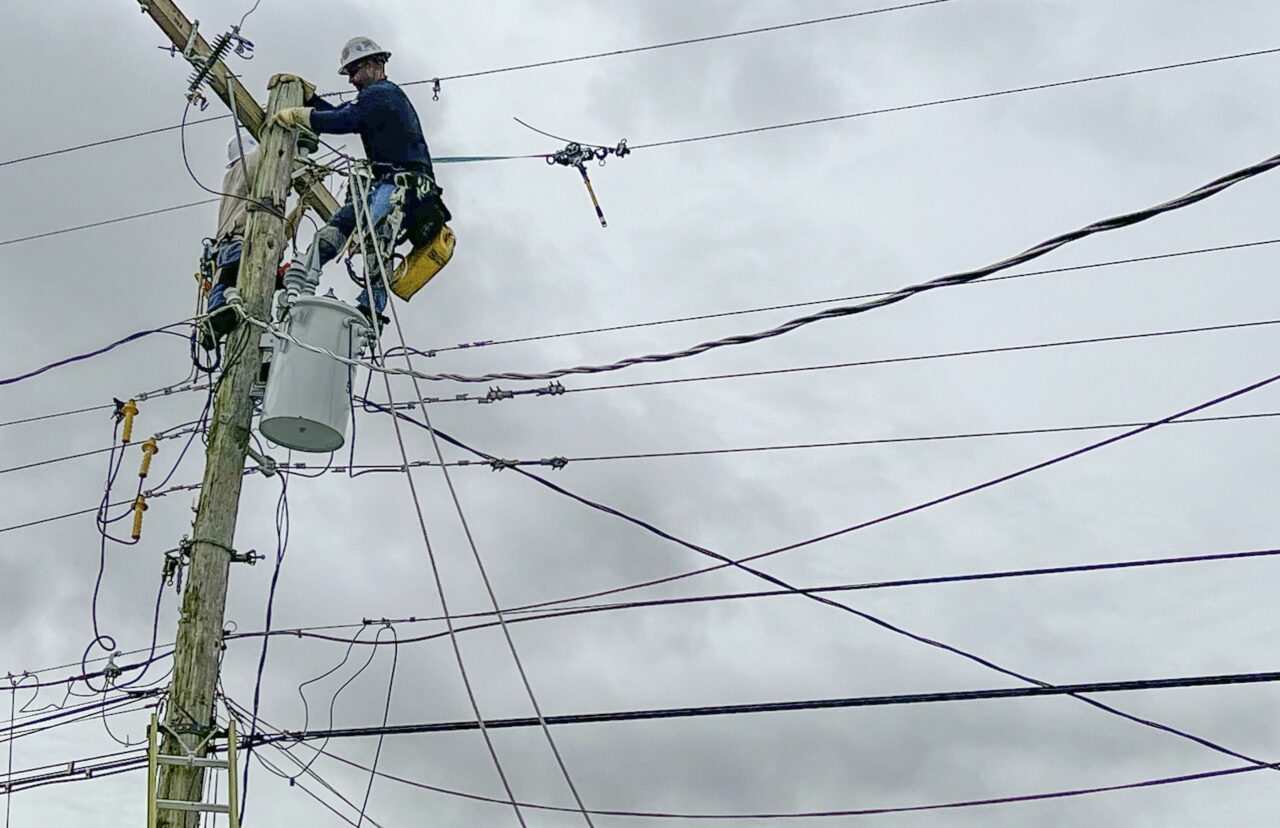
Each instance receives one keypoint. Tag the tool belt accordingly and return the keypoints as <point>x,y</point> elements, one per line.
<point>429,215</point>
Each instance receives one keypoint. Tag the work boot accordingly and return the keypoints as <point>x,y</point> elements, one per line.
<point>222,319</point>
<point>379,305</point>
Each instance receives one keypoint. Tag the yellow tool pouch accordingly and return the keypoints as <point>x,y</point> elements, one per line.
<point>423,263</point>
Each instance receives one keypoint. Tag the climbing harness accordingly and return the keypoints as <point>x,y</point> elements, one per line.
<point>427,230</point>
<point>577,155</point>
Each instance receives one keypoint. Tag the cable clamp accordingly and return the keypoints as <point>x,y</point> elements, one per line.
<point>496,394</point>
<point>498,464</point>
<point>435,89</point>
<point>554,389</point>
<point>111,671</point>
<point>266,463</point>
<point>556,463</point>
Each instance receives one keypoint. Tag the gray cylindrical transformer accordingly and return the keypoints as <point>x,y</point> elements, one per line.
<point>308,396</point>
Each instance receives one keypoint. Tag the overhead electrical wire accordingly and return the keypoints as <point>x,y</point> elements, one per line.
<point>706,137</point>
<point>93,509</point>
<point>364,198</point>
<point>911,510</point>
<point>724,561</point>
<point>125,340</point>
<point>486,343</point>
<point>1018,90</point>
<point>812,814</point>
<point>360,198</point>
<point>522,616</point>
<point>519,68</point>
<point>793,706</point>
<point>1043,248</point>
<point>161,436</point>
<point>118,219</point>
<point>499,464</point>
<point>673,43</point>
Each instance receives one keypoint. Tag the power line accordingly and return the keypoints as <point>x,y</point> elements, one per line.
<point>743,563</point>
<point>498,464</point>
<point>784,707</point>
<point>1060,794</point>
<point>570,611</point>
<point>150,495</point>
<point>1043,248</point>
<point>498,394</point>
<point>960,99</point>
<point>105,222</point>
<point>431,352</point>
<point>168,390</point>
<point>672,142</point>
<point>160,437</point>
<point>125,340</point>
<point>674,43</point>
<point>517,68</point>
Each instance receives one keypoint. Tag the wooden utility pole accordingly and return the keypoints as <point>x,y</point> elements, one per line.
<point>199,642</point>
<point>199,645</point>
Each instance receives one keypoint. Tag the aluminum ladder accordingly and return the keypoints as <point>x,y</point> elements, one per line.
<point>155,759</point>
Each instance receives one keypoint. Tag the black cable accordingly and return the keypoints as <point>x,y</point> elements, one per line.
<point>724,561</point>
<point>486,343</point>
<point>1036,251</point>
<point>282,546</point>
<point>133,337</point>
<point>517,616</point>
<point>1058,794</point>
<point>789,706</point>
<point>386,713</point>
<point>1066,343</point>
<point>186,162</point>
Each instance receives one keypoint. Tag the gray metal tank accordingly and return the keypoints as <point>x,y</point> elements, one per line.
<point>308,396</point>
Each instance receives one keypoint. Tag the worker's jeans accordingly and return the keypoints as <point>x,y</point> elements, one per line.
<point>345,221</point>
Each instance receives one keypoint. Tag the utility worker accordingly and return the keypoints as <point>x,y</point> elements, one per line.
<point>228,240</point>
<point>391,133</point>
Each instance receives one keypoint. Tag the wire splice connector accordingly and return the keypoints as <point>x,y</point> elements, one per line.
<point>139,506</point>
<point>149,450</point>
<point>127,412</point>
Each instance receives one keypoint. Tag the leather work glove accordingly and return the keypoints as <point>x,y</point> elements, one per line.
<point>293,116</point>
<point>308,89</point>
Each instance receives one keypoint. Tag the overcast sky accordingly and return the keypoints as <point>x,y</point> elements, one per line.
<point>804,214</point>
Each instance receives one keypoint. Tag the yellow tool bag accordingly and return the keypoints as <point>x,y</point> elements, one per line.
<point>422,264</point>
<point>427,229</point>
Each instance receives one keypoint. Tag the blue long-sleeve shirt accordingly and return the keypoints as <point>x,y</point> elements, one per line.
<point>386,122</point>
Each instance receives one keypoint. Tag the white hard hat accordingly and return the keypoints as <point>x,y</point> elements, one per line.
<point>233,147</point>
<point>359,48</point>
